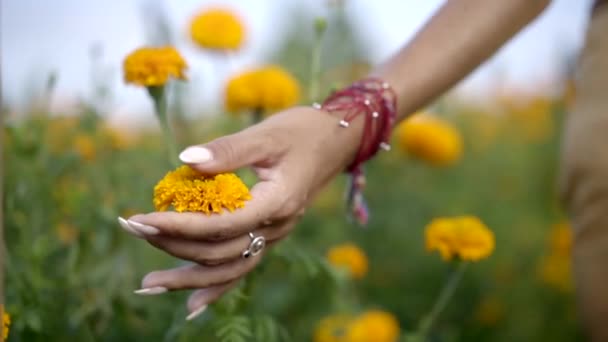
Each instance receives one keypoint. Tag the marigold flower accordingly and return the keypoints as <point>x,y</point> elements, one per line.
<point>556,271</point>
<point>187,190</point>
<point>554,268</point>
<point>332,329</point>
<point>431,139</point>
<point>154,66</point>
<point>349,257</point>
<point>85,147</point>
<point>464,237</point>
<point>373,325</point>
<point>217,29</point>
<point>266,89</point>
<point>6,322</point>
<point>560,239</point>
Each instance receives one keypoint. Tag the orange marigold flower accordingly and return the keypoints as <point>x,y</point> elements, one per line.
<point>217,29</point>
<point>332,329</point>
<point>187,190</point>
<point>373,325</point>
<point>560,239</point>
<point>267,89</point>
<point>464,237</point>
<point>6,322</point>
<point>555,268</point>
<point>556,271</point>
<point>85,146</point>
<point>350,257</point>
<point>154,66</point>
<point>431,139</point>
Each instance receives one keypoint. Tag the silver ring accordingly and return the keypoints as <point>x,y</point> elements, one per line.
<point>256,245</point>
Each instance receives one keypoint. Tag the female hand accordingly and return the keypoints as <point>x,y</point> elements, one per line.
<point>294,154</point>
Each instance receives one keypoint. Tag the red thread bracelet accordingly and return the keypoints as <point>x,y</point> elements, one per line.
<point>376,100</point>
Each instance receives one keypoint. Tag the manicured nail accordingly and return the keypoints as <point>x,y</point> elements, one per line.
<point>125,225</point>
<point>195,155</point>
<point>142,228</point>
<point>151,290</point>
<point>196,313</point>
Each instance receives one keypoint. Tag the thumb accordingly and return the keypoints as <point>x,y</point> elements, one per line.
<point>229,153</point>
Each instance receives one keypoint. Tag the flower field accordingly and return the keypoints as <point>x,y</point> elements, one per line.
<point>467,240</point>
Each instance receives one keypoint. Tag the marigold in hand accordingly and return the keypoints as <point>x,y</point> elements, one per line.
<point>373,325</point>
<point>349,257</point>
<point>266,89</point>
<point>431,139</point>
<point>187,190</point>
<point>217,29</point>
<point>154,66</point>
<point>463,237</point>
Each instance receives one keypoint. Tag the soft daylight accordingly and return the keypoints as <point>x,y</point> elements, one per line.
<point>292,171</point>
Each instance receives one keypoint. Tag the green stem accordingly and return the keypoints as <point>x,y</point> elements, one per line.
<point>444,297</point>
<point>313,91</point>
<point>159,97</point>
<point>258,115</point>
<point>315,64</point>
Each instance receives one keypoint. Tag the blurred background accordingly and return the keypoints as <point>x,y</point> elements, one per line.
<point>82,147</point>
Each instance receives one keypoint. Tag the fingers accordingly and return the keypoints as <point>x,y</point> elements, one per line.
<point>198,301</point>
<point>197,276</point>
<point>214,253</point>
<point>198,226</point>
<point>249,147</point>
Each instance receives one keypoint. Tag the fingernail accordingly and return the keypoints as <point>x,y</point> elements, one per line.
<point>125,225</point>
<point>151,290</point>
<point>142,228</point>
<point>196,313</point>
<point>195,154</point>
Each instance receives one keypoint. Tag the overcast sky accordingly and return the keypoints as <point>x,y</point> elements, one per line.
<point>40,36</point>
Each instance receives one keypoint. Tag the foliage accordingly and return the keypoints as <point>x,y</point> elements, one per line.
<point>71,271</point>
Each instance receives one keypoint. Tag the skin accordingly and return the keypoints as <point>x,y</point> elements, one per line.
<point>295,153</point>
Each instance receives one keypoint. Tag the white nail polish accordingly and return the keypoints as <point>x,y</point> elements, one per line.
<point>142,228</point>
<point>125,225</point>
<point>195,154</point>
<point>196,313</point>
<point>151,290</point>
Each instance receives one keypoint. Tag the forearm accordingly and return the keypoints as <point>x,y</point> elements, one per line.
<point>459,37</point>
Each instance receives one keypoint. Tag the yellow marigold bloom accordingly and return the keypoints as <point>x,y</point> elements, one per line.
<point>217,29</point>
<point>85,147</point>
<point>555,267</point>
<point>6,322</point>
<point>154,66</point>
<point>431,139</point>
<point>464,237</point>
<point>560,239</point>
<point>556,271</point>
<point>266,89</point>
<point>332,329</point>
<point>349,257</point>
<point>374,325</point>
<point>187,190</point>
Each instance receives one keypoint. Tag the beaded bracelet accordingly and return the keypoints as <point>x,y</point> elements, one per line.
<point>376,100</point>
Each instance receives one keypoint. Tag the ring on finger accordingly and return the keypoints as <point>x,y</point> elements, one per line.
<point>256,245</point>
